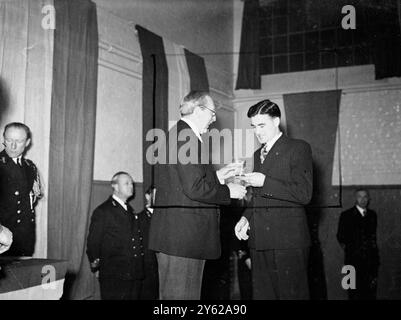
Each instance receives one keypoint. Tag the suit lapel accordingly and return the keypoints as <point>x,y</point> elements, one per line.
<point>182,125</point>
<point>274,152</point>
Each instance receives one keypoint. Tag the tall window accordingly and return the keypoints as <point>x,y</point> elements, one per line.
<point>297,35</point>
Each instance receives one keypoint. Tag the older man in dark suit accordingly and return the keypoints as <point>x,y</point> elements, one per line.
<point>357,236</point>
<point>185,225</point>
<point>282,183</point>
<point>116,246</point>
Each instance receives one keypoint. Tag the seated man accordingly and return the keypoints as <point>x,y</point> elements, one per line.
<point>6,239</point>
<point>117,246</point>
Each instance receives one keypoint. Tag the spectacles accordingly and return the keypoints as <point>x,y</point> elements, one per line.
<point>211,110</point>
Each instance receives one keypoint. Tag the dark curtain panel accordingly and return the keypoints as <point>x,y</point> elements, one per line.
<point>313,117</point>
<point>197,71</point>
<point>72,132</point>
<point>386,38</point>
<point>248,67</point>
<point>154,95</point>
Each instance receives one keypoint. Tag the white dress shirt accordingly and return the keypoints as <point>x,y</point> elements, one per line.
<point>362,211</point>
<point>120,202</point>
<point>16,160</point>
<point>193,127</point>
<point>269,144</point>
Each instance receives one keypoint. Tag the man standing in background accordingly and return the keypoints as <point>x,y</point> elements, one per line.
<point>357,236</point>
<point>116,246</point>
<point>19,189</point>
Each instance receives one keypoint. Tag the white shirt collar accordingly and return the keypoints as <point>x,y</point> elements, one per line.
<point>269,145</point>
<point>120,202</point>
<point>361,210</point>
<point>15,159</point>
<point>193,127</point>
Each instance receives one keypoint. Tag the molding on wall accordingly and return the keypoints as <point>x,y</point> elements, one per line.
<point>105,59</point>
<point>222,93</point>
<point>345,90</point>
<point>348,79</point>
<point>226,108</point>
<point>120,69</point>
<point>119,51</point>
<point>371,87</point>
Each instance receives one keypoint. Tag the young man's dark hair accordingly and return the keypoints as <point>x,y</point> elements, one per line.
<point>265,107</point>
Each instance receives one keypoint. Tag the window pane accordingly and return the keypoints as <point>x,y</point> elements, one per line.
<point>280,64</point>
<point>296,62</point>
<point>280,45</point>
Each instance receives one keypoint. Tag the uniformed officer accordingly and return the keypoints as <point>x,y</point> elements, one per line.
<point>19,189</point>
<point>116,245</point>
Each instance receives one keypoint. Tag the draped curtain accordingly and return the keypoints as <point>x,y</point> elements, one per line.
<point>178,79</point>
<point>385,37</point>
<point>154,94</point>
<point>313,117</point>
<point>26,56</point>
<point>248,66</point>
<point>197,71</point>
<point>72,133</point>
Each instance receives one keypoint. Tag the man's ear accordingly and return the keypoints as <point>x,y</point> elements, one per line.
<point>28,142</point>
<point>276,121</point>
<point>114,187</point>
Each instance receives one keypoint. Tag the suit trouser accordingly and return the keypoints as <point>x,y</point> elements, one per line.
<point>117,289</point>
<point>280,274</point>
<point>366,281</point>
<point>179,278</point>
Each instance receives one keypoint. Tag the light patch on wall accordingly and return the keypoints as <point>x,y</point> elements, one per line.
<point>370,131</point>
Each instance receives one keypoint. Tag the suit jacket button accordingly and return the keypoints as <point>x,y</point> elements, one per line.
<point>18,202</point>
<point>18,211</point>
<point>18,221</point>
<point>135,255</point>
<point>16,193</point>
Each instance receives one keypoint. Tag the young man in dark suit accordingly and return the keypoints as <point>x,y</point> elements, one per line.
<point>185,225</point>
<point>357,236</point>
<point>282,185</point>
<point>116,246</point>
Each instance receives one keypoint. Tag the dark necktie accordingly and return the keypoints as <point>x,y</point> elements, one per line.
<point>263,153</point>
<point>19,162</point>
